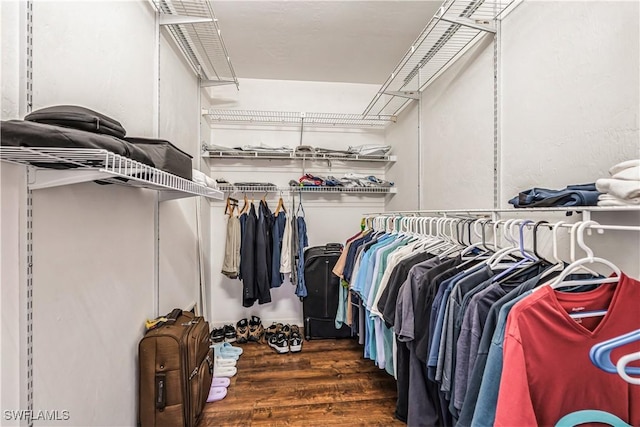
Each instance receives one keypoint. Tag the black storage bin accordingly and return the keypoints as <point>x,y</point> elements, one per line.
<point>320,307</point>
<point>165,155</point>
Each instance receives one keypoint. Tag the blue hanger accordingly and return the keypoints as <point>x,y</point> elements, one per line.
<point>577,418</point>
<point>600,354</point>
<point>527,257</point>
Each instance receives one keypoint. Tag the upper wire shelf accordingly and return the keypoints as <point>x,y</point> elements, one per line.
<point>275,155</point>
<point>230,188</point>
<point>65,166</point>
<point>288,118</point>
<point>194,28</point>
<point>457,25</point>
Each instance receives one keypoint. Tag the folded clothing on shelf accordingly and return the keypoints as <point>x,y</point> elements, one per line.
<point>349,180</point>
<point>222,148</point>
<point>203,179</point>
<point>370,149</point>
<point>265,148</point>
<point>572,195</point>
<point>623,187</point>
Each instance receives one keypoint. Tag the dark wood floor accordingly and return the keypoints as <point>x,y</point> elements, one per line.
<point>328,383</point>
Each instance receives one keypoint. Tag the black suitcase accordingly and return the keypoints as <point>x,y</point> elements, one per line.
<point>165,155</point>
<point>320,306</point>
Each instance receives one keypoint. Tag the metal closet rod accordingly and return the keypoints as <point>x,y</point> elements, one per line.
<point>549,225</point>
<point>577,209</point>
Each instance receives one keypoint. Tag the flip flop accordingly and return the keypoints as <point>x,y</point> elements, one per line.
<point>225,347</point>
<point>224,371</point>
<point>220,382</point>
<point>217,393</point>
<point>224,362</point>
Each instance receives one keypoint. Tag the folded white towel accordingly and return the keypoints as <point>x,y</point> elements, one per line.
<point>619,188</point>
<point>624,165</point>
<point>609,200</point>
<point>198,177</point>
<point>629,174</point>
<point>210,182</point>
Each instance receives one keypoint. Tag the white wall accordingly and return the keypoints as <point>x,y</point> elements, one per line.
<point>457,134</point>
<point>179,121</point>
<point>11,310</point>
<point>403,137</point>
<point>571,103</point>
<point>570,92</point>
<point>94,245</point>
<point>330,217</point>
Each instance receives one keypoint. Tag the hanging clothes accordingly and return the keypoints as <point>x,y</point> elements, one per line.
<point>440,323</point>
<point>231,262</point>
<point>263,254</point>
<point>302,242</point>
<point>285,253</point>
<point>277,235</point>
<point>542,343</point>
<point>248,251</point>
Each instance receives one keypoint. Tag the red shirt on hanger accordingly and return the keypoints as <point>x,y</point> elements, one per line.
<point>547,373</point>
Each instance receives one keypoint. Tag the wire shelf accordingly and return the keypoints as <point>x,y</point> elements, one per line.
<point>230,188</point>
<point>200,42</point>
<point>273,155</point>
<point>64,166</point>
<point>288,118</point>
<point>457,25</point>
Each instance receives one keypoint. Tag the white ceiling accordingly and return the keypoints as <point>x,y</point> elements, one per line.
<point>337,41</point>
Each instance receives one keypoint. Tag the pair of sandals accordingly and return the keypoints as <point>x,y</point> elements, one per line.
<point>284,338</point>
<point>249,330</point>
<point>218,390</point>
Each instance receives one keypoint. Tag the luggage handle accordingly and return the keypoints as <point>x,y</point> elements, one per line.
<point>333,246</point>
<point>161,393</point>
<point>173,316</point>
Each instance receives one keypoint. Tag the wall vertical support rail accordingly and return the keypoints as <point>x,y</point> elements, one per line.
<point>28,296</point>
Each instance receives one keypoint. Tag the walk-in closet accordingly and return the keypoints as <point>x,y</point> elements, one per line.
<point>265,213</point>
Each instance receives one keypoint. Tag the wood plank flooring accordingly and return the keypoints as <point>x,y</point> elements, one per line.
<point>327,383</point>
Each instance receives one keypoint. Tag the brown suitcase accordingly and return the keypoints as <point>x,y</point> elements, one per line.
<point>175,368</point>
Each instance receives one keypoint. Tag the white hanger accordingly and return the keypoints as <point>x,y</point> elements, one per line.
<point>622,365</point>
<point>589,259</point>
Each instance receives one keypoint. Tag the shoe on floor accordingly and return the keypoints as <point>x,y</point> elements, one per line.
<point>228,348</point>
<point>272,330</point>
<point>224,371</point>
<point>229,333</point>
<point>220,354</point>
<point>256,330</point>
<point>218,361</point>
<point>242,331</point>
<point>216,394</point>
<point>217,334</point>
<point>295,341</point>
<point>280,343</point>
<point>220,382</point>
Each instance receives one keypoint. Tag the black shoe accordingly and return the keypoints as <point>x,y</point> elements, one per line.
<point>217,335</point>
<point>256,330</point>
<point>229,333</point>
<point>279,343</point>
<point>272,330</point>
<point>242,328</point>
<point>295,339</point>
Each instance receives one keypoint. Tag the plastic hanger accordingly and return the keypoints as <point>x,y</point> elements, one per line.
<point>589,416</point>
<point>621,367</point>
<point>527,258</point>
<point>535,240</point>
<point>600,354</point>
<point>589,259</point>
<point>281,206</point>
